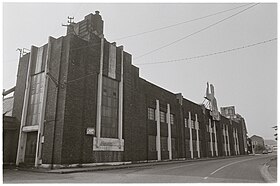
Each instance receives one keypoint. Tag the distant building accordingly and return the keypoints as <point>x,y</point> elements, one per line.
<point>80,100</point>
<point>257,144</point>
<point>10,130</point>
<point>8,106</point>
<point>229,112</point>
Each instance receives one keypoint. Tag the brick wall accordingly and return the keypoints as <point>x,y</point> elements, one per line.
<point>20,86</point>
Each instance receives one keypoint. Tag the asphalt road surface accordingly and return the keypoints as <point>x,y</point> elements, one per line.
<point>245,169</point>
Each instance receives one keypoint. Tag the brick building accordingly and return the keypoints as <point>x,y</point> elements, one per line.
<point>257,144</point>
<point>80,100</point>
<point>229,112</point>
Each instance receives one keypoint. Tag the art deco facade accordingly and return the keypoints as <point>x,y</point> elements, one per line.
<point>80,100</point>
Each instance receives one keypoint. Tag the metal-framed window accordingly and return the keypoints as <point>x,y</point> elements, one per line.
<point>151,114</point>
<point>171,119</point>
<point>35,99</point>
<point>162,116</point>
<point>186,122</point>
<point>192,124</point>
<point>110,100</point>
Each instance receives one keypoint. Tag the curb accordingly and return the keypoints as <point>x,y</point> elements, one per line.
<point>112,167</point>
<point>123,166</point>
<point>265,173</point>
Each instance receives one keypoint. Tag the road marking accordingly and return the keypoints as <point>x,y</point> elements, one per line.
<point>229,165</point>
<point>178,167</point>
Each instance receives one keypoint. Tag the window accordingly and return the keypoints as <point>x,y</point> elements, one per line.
<point>197,126</point>
<point>226,111</point>
<point>163,144</point>
<point>39,60</point>
<point>35,99</point>
<point>186,122</point>
<point>151,114</point>
<point>109,116</point>
<point>162,117</point>
<point>171,119</point>
<point>152,143</point>
<point>192,124</point>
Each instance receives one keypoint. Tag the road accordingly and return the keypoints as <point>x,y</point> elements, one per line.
<point>245,169</point>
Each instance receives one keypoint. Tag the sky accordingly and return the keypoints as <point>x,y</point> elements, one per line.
<point>245,78</point>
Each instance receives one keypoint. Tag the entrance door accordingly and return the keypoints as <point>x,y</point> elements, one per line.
<point>30,150</point>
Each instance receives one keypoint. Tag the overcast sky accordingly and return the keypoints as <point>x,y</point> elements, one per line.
<point>246,78</point>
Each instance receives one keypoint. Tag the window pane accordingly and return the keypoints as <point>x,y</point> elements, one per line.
<point>171,119</point>
<point>109,124</point>
<point>151,114</point>
<point>162,117</point>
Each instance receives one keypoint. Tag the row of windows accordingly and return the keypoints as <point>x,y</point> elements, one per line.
<point>162,116</point>
<point>192,123</point>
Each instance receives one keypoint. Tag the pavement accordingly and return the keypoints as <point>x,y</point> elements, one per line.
<point>269,170</point>
<point>240,169</point>
<point>114,165</point>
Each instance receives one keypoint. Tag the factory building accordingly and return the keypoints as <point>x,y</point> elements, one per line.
<point>80,100</point>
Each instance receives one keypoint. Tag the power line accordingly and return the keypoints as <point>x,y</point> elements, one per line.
<point>189,58</point>
<point>210,54</point>
<point>180,23</point>
<point>196,32</point>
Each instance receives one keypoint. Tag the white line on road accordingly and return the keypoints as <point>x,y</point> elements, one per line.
<point>230,165</point>
<point>178,167</point>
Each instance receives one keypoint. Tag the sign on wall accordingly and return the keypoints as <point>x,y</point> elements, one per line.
<point>90,131</point>
<point>108,144</point>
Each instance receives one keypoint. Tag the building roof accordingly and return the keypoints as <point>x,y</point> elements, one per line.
<point>255,136</point>
<point>8,106</point>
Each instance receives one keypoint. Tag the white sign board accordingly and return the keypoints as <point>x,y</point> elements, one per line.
<point>90,131</point>
<point>108,144</point>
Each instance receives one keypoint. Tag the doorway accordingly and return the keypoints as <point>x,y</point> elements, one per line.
<point>30,150</point>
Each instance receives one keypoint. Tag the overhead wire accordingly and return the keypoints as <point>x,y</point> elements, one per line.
<point>188,58</point>
<point>91,45</point>
<point>194,33</point>
<point>200,56</point>
<point>180,23</point>
<point>210,54</point>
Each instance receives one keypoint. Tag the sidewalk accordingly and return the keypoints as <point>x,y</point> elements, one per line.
<point>269,170</point>
<point>272,169</point>
<point>120,165</point>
